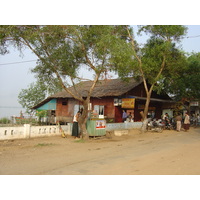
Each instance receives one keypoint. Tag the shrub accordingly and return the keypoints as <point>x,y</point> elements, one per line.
<point>4,120</point>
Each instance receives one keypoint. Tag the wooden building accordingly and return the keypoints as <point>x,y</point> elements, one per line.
<point>109,98</point>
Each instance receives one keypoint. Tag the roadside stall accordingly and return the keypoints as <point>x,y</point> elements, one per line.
<point>96,124</point>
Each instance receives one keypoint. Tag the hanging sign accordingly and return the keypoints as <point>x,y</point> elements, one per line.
<point>128,103</point>
<point>194,103</point>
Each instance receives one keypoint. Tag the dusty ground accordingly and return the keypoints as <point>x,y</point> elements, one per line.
<point>169,152</point>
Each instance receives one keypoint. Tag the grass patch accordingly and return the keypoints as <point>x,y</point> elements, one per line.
<point>44,144</point>
<point>79,141</point>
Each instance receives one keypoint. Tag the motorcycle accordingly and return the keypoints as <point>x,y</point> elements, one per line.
<point>169,125</point>
<point>155,125</point>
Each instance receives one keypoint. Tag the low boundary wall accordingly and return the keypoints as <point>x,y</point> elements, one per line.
<point>122,126</point>
<point>28,131</point>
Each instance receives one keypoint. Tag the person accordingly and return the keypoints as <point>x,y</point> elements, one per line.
<point>178,119</point>
<point>198,120</point>
<point>166,120</point>
<point>124,116</point>
<point>75,129</point>
<point>194,120</point>
<point>186,123</point>
<point>81,111</point>
<point>130,117</point>
<point>166,117</point>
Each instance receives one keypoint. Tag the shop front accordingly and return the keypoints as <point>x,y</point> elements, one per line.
<point>133,106</point>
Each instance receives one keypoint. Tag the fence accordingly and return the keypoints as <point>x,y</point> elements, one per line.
<point>28,131</point>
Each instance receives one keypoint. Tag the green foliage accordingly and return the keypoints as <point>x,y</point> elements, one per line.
<point>63,50</point>
<point>4,120</point>
<point>165,32</point>
<point>156,59</point>
<point>44,144</point>
<point>31,96</point>
<point>36,92</point>
<point>187,82</point>
<point>155,51</point>
<point>20,121</point>
<point>80,141</point>
<point>41,113</point>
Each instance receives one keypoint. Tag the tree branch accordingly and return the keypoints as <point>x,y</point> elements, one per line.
<point>138,59</point>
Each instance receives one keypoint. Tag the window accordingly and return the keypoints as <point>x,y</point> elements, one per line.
<point>64,103</point>
<point>77,108</point>
<point>99,109</point>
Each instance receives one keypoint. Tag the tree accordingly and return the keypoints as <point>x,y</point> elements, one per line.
<point>63,50</point>
<point>191,77</point>
<point>185,86</point>
<point>157,58</point>
<point>35,93</point>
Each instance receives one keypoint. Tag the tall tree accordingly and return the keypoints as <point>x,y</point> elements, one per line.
<point>153,61</point>
<point>63,50</point>
<point>185,86</point>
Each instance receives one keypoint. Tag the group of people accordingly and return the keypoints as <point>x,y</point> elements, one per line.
<point>195,119</point>
<point>186,122</point>
<point>127,118</point>
<point>179,120</point>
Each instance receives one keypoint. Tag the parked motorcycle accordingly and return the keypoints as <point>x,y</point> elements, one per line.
<point>167,125</point>
<point>155,125</point>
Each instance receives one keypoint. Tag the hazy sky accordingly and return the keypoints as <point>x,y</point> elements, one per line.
<point>15,77</point>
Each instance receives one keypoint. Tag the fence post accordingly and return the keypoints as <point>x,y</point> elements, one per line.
<point>27,130</point>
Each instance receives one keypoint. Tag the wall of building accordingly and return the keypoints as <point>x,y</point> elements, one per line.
<point>108,103</point>
<point>62,107</point>
<point>51,105</point>
<point>65,107</point>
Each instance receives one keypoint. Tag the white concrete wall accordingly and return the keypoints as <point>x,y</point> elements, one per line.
<point>123,126</point>
<point>28,131</point>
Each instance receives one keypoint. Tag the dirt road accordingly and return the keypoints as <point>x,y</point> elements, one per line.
<point>169,152</point>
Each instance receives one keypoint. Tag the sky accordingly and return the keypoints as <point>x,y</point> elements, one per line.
<point>15,73</point>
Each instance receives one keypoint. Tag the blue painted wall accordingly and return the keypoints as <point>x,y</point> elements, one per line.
<point>51,105</point>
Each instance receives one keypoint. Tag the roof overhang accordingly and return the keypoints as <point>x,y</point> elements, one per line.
<point>154,99</point>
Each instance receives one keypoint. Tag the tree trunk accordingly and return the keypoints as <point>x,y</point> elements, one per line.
<point>83,120</point>
<point>144,115</point>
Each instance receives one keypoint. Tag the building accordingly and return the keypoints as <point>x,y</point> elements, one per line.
<point>109,98</point>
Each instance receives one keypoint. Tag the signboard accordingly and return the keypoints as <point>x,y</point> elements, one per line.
<point>100,124</point>
<point>194,103</point>
<point>117,102</point>
<point>128,103</point>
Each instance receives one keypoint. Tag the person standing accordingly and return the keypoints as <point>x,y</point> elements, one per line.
<point>124,116</point>
<point>186,124</point>
<point>198,120</point>
<point>178,122</point>
<point>75,129</point>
